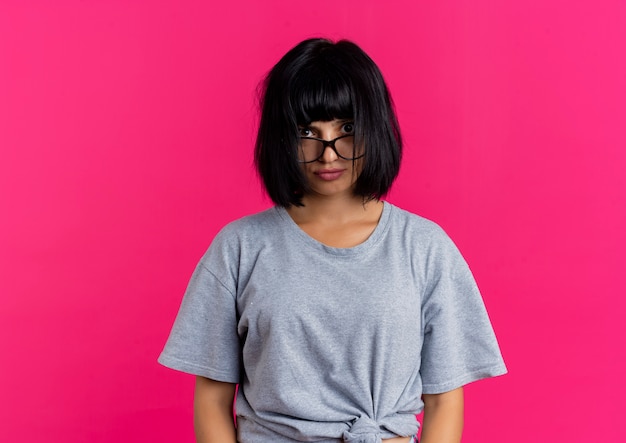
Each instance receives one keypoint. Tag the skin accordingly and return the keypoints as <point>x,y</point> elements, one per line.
<point>334,216</point>
<point>213,411</point>
<point>443,417</point>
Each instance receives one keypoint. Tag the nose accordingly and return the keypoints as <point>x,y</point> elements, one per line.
<point>329,155</point>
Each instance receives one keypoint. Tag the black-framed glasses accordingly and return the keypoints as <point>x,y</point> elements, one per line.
<point>312,148</point>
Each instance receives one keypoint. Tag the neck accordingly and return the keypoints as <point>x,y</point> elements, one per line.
<point>335,209</point>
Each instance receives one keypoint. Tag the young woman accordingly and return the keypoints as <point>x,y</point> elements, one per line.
<point>339,315</point>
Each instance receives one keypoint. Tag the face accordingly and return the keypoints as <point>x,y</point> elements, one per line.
<point>330,174</point>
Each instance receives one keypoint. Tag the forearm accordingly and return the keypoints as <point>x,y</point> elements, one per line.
<point>443,417</point>
<point>213,412</point>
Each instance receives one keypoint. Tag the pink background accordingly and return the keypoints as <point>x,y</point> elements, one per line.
<point>126,132</point>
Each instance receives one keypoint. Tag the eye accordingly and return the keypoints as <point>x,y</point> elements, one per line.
<point>305,132</point>
<point>348,128</point>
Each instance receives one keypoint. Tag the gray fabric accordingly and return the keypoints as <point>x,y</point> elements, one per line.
<point>332,344</point>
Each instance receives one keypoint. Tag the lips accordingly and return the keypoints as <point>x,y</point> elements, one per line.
<point>329,174</point>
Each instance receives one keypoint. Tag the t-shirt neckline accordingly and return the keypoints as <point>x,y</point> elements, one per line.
<point>310,242</point>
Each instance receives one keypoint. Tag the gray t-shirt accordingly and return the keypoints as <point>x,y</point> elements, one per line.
<point>332,344</point>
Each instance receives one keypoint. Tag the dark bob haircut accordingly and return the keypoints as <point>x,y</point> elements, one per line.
<point>319,80</point>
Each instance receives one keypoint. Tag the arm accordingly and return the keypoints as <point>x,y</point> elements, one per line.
<point>213,411</point>
<point>443,417</point>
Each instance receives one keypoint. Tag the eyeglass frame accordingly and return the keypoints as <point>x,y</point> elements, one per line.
<point>327,143</point>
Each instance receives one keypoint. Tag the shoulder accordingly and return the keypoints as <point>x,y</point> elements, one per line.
<point>241,235</point>
<point>415,227</point>
<point>250,225</point>
<point>424,238</point>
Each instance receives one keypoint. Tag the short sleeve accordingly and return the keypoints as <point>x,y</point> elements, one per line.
<point>204,339</point>
<point>459,342</point>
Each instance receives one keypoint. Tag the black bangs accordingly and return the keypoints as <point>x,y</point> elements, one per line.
<point>321,93</point>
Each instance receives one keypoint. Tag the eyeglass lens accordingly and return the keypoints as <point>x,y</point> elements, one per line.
<point>311,149</point>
